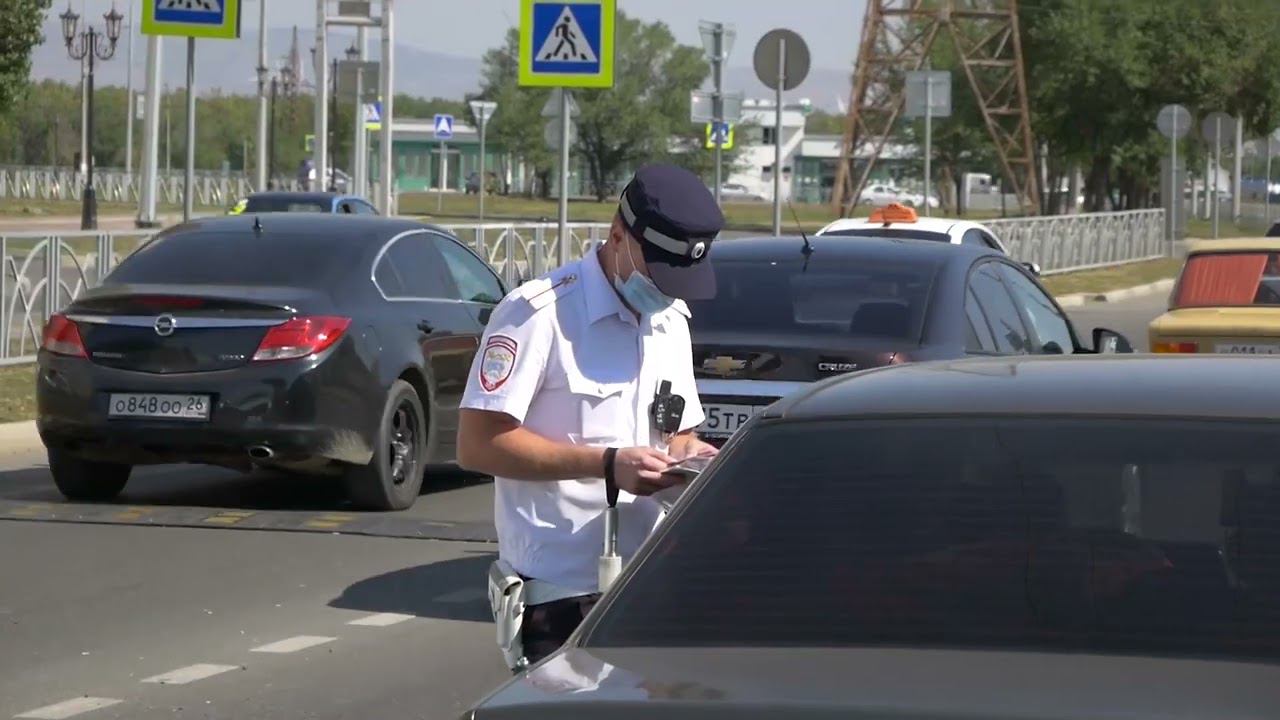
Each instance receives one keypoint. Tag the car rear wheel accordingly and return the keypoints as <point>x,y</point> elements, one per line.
<point>393,478</point>
<point>85,480</point>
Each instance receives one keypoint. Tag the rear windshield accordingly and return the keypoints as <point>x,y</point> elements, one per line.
<point>853,298</point>
<point>890,233</point>
<point>1146,537</point>
<point>277,204</point>
<point>239,258</point>
<point>1229,279</point>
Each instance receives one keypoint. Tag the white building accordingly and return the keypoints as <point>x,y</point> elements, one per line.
<point>756,135</point>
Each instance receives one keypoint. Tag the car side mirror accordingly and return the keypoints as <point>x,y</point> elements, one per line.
<point>1033,268</point>
<point>1110,342</point>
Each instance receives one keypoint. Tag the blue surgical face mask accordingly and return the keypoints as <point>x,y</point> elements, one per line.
<point>639,291</point>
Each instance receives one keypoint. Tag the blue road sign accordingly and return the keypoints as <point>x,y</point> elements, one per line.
<point>444,127</point>
<point>192,18</point>
<point>567,38</point>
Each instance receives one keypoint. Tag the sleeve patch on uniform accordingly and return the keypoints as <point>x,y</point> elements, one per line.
<point>499,359</point>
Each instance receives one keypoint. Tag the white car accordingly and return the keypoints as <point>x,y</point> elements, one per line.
<point>881,195</point>
<point>903,222</point>
<point>734,191</point>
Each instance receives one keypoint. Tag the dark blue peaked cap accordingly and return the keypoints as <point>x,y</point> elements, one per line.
<point>676,218</point>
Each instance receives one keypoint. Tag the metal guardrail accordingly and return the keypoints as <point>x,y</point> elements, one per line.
<point>209,189</point>
<point>41,273</point>
<point>1066,243</point>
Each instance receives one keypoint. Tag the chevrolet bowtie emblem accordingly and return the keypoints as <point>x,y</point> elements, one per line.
<point>723,364</point>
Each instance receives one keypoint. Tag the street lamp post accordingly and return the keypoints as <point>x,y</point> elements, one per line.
<point>283,81</point>
<point>81,46</point>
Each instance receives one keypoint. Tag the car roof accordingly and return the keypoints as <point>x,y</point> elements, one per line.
<point>1267,244</point>
<point>887,248</point>
<point>299,196</point>
<point>944,226</point>
<point>318,224</point>
<point>1205,386</point>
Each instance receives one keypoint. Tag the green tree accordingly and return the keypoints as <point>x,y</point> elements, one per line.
<point>20,23</point>
<point>644,117</point>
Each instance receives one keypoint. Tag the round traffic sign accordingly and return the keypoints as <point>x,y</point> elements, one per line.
<point>1174,121</point>
<point>1219,127</point>
<point>786,49</point>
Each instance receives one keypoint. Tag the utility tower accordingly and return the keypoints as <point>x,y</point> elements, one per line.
<point>897,36</point>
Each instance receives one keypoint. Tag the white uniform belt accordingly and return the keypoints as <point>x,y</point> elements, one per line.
<point>538,592</point>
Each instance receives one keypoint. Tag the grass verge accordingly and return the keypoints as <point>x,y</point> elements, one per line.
<point>17,393</point>
<point>71,208</point>
<point>1112,278</point>
<point>1247,227</point>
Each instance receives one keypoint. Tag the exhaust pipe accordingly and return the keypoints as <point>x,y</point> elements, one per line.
<point>261,452</point>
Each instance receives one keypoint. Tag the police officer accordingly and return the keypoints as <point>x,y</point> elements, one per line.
<point>582,393</point>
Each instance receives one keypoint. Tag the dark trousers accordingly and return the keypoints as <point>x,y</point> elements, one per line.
<point>547,626</point>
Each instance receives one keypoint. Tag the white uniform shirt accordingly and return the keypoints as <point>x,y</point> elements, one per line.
<point>567,359</point>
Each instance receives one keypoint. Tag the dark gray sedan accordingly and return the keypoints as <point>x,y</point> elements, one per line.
<point>1016,537</point>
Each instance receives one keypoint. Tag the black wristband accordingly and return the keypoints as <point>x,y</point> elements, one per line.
<point>610,484</point>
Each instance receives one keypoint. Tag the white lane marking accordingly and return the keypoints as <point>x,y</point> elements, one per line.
<point>381,619</point>
<point>69,708</point>
<point>189,674</point>
<point>461,596</point>
<point>293,644</point>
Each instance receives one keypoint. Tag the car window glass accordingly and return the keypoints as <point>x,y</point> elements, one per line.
<point>474,280</point>
<point>991,241</point>
<point>363,208</point>
<point>863,297</point>
<point>974,237</point>
<point>982,338</point>
<point>1047,323</point>
<point>1160,539</point>
<point>388,279</point>
<point>1001,313</point>
<point>417,264</point>
<point>1229,279</point>
<point>203,257</point>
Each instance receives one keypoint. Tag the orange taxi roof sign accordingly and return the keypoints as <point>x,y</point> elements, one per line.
<point>894,213</point>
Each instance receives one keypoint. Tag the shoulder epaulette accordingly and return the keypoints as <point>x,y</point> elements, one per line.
<point>544,291</point>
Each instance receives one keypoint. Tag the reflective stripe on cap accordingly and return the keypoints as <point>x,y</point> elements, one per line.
<point>684,248</point>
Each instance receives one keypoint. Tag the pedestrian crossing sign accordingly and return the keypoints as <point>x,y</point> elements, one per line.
<point>373,116</point>
<point>444,127</point>
<point>214,19</point>
<point>721,133</point>
<point>567,43</point>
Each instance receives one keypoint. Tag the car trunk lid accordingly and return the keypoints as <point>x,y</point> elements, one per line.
<point>177,329</point>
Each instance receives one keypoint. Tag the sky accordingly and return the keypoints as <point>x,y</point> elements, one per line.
<point>454,34</point>
<point>468,27</point>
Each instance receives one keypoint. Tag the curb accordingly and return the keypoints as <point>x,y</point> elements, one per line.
<point>1080,299</point>
<point>19,437</point>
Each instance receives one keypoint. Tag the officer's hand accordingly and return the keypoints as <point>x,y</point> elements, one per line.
<point>638,470</point>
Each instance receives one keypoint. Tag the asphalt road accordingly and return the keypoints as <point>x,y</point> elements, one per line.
<point>207,594</point>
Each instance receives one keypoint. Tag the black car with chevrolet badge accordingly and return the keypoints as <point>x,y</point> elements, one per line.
<point>792,311</point>
<point>313,343</point>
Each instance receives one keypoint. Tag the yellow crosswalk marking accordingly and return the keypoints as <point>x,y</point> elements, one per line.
<point>228,517</point>
<point>329,521</point>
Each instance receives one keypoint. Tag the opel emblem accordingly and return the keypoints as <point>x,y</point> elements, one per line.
<point>165,325</point>
<point>699,249</point>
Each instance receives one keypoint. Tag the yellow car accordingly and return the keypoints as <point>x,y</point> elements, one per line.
<point>1226,300</point>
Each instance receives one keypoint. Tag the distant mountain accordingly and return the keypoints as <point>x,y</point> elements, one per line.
<point>228,67</point>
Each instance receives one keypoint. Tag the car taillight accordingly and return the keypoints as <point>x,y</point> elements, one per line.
<point>1175,347</point>
<point>301,337</point>
<point>62,337</point>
